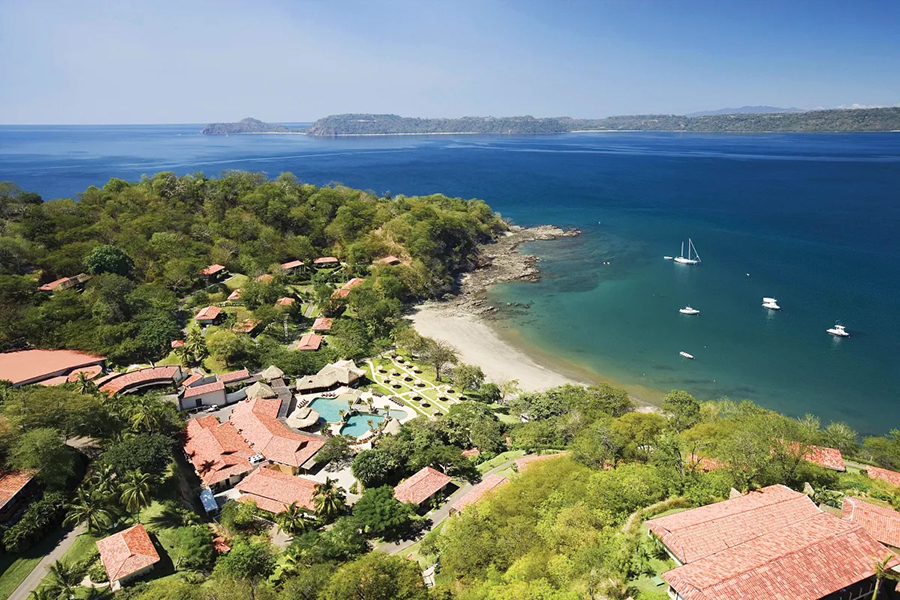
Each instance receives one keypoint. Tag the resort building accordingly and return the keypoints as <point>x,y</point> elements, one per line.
<point>127,555</point>
<point>16,490</point>
<point>51,367</point>
<point>342,372</point>
<point>326,261</point>
<point>892,477</point>
<point>65,283</point>
<point>487,486</point>
<point>286,302</point>
<point>213,272</point>
<point>388,260</point>
<point>209,394</point>
<point>292,267</point>
<point>235,377</point>
<point>310,341</point>
<point>219,454</point>
<point>271,373</point>
<point>248,326</point>
<point>422,486</point>
<point>256,419</point>
<point>123,383</point>
<point>882,522</point>
<point>322,324</point>
<point>772,543</point>
<point>265,278</point>
<point>234,296</point>
<point>274,491</point>
<point>208,316</point>
<point>830,458</point>
<point>344,290</point>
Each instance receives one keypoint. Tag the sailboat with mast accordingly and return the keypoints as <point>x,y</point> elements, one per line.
<point>688,260</point>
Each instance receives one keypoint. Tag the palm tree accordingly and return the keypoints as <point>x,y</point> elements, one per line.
<point>64,582</point>
<point>329,500</point>
<point>103,479</point>
<point>882,572</point>
<point>148,414</point>
<point>293,520</point>
<point>84,385</point>
<point>370,423</point>
<point>135,492</point>
<point>90,508</point>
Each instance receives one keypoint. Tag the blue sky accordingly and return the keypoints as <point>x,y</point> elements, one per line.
<point>73,61</point>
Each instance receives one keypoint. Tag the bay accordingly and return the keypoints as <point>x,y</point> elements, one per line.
<point>809,219</point>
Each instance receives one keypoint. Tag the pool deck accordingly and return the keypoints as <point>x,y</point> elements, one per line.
<point>362,405</point>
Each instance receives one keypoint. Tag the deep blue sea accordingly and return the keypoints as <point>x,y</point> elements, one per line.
<point>809,219</point>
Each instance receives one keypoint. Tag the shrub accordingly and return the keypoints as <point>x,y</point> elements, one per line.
<point>38,519</point>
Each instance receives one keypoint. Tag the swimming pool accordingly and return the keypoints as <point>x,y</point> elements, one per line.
<point>359,424</point>
<point>329,409</point>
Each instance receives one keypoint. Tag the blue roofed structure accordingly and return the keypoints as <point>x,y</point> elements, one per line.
<point>209,502</point>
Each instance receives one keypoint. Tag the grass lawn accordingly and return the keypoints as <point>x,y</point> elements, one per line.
<point>16,567</point>
<point>85,544</point>
<point>499,460</point>
<point>645,582</point>
<point>424,561</point>
<point>236,281</point>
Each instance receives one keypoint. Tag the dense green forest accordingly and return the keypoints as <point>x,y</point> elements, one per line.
<point>837,120</point>
<point>145,243</point>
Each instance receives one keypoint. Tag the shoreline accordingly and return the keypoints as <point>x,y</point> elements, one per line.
<point>464,321</point>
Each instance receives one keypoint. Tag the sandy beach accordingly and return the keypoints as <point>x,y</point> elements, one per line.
<point>480,345</point>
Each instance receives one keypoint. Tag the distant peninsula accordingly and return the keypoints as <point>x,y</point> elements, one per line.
<point>817,121</point>
<point>247,125</point>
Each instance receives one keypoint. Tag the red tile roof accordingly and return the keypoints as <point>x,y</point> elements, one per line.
<point>291,265</point>
<point>235,295</point>
<point>216,450</point>
<point>805,560</point>
<point>221,545</point>
<point>49,287</point>
<point>325,259</point>
<point>830,458</point>
<point>703,531</point>
<point>388,260</point>
<point>344,290</point>
<point>234,376</point>
<point>247,325</point>
<point>489,484</point>
<point>89,373</point>
<point>11,483</point>
<point>199,390</point>
<point>265,278</point>
<point>421,486</point>
<point>212,270</point>
<point>208,314</point>
<point>286,301</point>
<point>141,377</point>
<point>703,463</point>
<point>881,522</point>
<point>191,379</point>
<point>892,477</point>
<point>54,381</point>
<point>127,552</point>
<point>310,341</point>
<point>274,491</point>
<point>177,343</point>
<point>471,453</point>
<point>322,324</point>
<point>33,365</point>
<point>257,420</point>
<point>523,463</point>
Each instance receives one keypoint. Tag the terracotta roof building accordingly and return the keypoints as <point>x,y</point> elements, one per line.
<point>177,344</point>
<point>127,554</point>
<point>286,301</point>
<point>32,366</point>
<point>772,543</point>
<point>322,324</point>
<point>235,295</point>
<point>882,522</point>
<point>310,341</point>
<point>387,260</point>
<point>892,477</point>
<point>212,270</point>
<point>207,394</point>
<point>344,290</point>
<point>247,326</point>
<point>15,488</point>
<point>264,278</point>
<point>292,265</point>
<point>257,421</point>
<point>274,490</point>
<point>326,260</point>
<point>219,454</point>
<point>486,486</point>
<point>471,453</point>
<point>142,378</point>
<point>830,458</point>
<point>91,372</point>
<point>234,376</point>
<point>208,315</point>
<point>420,487</point>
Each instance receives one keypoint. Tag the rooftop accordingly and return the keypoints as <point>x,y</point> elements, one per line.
<point>89,372</point>
<point>881,522</point>
<point>234,376</point>
<point>274,491</point>
<point>310,341</point>
<point>892,477</point>
<point>487,485</point>
<point>26,366</point>
<point>127,552</point>
<point>265,278</point>
<point>212,270</point>
<point>216,450</point>
<point>291,264</point>
<point>141,377</point>
<point>199,390</point>
<point>49,287</point>
<point>694,534</point>
<point>325,260</point>
<point>387,260</point>
<point>286,301</point>
<point>322,324</point>
<point>830,458</point>
<point>208,314</point>
<point>421,486</point>
<point>11,483</point>
<point>257,421</point>
<point>341,372</point>
<point>235,295</point>
<point>247,325</point>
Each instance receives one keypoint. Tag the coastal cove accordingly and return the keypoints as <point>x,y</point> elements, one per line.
<point>810,217</point>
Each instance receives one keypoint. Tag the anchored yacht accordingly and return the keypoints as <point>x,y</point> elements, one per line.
<point>688,260</point>
<point>838,330</point>
<point>771,304</point>
<point>687,310</point>
<point>686,355</point>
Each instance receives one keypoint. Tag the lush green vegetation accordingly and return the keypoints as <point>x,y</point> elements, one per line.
<point>145,244</point>
<point>248,125</point>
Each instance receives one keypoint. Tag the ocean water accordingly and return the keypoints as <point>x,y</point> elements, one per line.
<point>809,219</point>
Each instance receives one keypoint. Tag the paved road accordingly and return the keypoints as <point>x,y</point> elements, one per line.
<point>437,517</point>
<point>30,583</point>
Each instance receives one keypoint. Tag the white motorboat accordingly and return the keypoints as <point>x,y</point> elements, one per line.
<point>687,310</point>
<point>686,355</point>
<point>688,260</point>
<point>668,257</point>
<point>771,305</point>
<point>838,330</point>
<point>770,300</point>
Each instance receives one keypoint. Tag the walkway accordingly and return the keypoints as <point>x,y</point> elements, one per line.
<point>30,583</point>
<point>417,386</point>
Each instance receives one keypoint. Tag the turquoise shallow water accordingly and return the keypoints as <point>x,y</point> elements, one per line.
<point>813,219</point>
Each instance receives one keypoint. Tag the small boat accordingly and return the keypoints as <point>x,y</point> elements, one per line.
<point>686,355</point>
<point>687,310</point>
<point>838,330</point>
<point>688,260</point>
<point>667,257</point>
<point>771,304</point>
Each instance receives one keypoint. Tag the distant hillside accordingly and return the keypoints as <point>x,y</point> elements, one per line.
<point>745,110</point>
<point>247,125</point>
<point>364,124</point>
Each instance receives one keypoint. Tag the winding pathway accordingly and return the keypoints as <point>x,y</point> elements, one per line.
<point>33,580</point>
